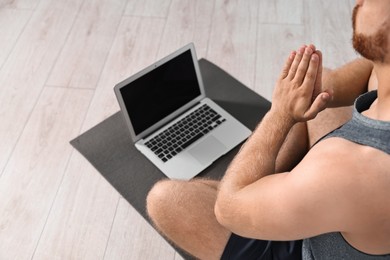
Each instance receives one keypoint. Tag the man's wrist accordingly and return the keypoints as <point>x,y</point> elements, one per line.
<point>282,118</point>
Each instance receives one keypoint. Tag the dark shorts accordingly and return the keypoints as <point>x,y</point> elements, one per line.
<point>248,249</point>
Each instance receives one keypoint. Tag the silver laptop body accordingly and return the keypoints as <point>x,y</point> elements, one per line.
<point>156,103</point>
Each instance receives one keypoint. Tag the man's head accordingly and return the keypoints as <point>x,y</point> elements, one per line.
<point>371,29</point>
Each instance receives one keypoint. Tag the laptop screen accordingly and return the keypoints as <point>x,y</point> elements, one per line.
<point>161,91</point>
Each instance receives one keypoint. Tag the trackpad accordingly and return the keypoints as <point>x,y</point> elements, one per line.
<point>208,150</point>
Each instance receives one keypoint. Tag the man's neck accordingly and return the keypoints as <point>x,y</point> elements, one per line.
<point>380,109</point>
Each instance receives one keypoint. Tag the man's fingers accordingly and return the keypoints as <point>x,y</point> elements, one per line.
<point>303,65</point>
<point>319,53</point>
<point>287,65</point>
<point>295,64</point>
<point>317,106</point>
<point>298,80</point>
<point>318,83</point>
<point>310,76</point>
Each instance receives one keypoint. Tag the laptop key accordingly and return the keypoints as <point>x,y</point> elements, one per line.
<point>191,141</point>
<point>215,118</point>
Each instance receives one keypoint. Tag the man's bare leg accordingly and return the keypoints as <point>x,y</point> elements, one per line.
<point>184,212</point>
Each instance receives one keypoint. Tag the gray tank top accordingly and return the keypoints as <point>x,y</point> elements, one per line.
<point>365,131</point>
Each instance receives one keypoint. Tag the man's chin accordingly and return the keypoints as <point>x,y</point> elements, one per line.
<point>373,47</point>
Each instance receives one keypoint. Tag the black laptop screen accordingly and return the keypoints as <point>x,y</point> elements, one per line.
<point>160,92</point>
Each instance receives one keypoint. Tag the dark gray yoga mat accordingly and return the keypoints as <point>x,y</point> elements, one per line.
<point>108,146</point>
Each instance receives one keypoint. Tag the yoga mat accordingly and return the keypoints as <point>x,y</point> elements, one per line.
<point>108,146</point>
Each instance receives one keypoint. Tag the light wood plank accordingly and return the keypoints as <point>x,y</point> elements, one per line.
<point>275,42</point>
<point>189,21</point>
<point>232,43</point>
<point>148,8</point>
<point>19,4</point>
<point>80,221</point>
<point>33,175</point>
<point>279,12</point>
<point>328,24</point>
<point>88,44</point>
<point>133,238</point>
<point>12,23</point>
<point>24,73</point>
<point>132,51</point>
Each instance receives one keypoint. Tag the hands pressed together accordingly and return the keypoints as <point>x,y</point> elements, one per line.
<point>298,94</point>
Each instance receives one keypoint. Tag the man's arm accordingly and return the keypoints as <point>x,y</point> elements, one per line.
<point>347,82</point>
<point>244,192</point>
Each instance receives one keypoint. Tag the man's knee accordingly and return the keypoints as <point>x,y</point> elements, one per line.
<point>160,198</point>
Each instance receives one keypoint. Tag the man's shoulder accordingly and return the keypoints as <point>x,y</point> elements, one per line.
<point>332,154</point>
<point>345,165</point>
<point>339,153</point>
<point>347,178</point>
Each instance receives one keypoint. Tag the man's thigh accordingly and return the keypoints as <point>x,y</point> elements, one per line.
<point>183,211</point>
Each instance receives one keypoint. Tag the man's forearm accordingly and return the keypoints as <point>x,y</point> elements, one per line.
<point>257,157</point>
<point>293,102</point>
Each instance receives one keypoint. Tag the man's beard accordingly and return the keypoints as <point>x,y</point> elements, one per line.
<point>373,47</point>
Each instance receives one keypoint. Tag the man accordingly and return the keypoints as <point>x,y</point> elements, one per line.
<point>335,202</point>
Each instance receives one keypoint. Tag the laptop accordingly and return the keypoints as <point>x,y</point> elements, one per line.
<point>170,119</point>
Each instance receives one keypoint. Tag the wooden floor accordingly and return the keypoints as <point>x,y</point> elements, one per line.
<point>59,61</point>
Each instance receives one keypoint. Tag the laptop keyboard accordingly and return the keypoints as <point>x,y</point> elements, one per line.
<point>182,134</point>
